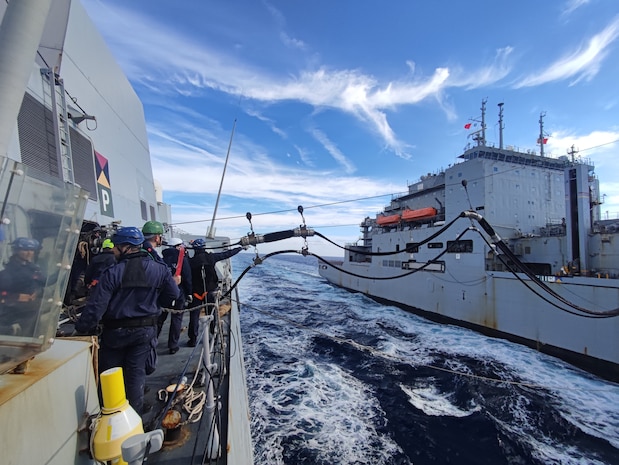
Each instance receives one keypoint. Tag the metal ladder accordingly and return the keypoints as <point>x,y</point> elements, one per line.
<point>60,119</point>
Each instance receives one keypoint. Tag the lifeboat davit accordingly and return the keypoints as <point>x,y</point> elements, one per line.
<point>419,214</point>
<point>386,220</point>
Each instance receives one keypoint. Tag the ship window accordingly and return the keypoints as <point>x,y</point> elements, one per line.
<point>143,208</point>
<point>152,213</point>
<point>435,245</point>
<point>412,247</point>
<point>462,246</point>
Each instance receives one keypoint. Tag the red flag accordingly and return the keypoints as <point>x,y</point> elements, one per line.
<point>542,141</point>
<point>467,126</point>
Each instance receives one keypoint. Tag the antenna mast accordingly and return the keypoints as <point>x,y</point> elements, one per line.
<point>211,229</point>
<point>541,133</point>
<point>501,127</point>
<point>480,135</point>
<point>572,152</point>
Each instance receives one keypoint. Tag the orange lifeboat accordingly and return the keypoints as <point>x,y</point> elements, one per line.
<point>419,214</point>
<point>387,220</point>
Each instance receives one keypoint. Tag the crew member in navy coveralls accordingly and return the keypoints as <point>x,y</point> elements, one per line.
<point>153,235</point>
<point>170,257</point>
<point>21,288</point>
<point>99,263</point>
<point>126,302</point>
<point>205,282</point>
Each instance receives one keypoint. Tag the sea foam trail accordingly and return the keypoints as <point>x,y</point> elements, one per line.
<point>335,377</point>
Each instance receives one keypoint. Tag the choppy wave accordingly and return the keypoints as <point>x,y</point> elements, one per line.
<point>335,377</point>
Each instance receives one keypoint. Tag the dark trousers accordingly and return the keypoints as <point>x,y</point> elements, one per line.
<point>194,315</point>
<point>128,348</point>
<point>176,324</point>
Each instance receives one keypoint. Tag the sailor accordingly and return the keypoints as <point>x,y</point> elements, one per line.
<point>99,263</point>
<point>153,235</point>
<point>126,302</point>
<point>205,282</point>
<point>21,288</point>
<point>171,256</point>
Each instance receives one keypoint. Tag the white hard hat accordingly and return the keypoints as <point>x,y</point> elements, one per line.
<point>174,241</point>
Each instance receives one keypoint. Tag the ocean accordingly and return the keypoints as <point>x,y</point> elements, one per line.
<point>336,378</point>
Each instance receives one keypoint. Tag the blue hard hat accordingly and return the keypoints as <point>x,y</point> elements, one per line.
<point>128,235</point>
<point>25,243</point>
<point>198,244</point>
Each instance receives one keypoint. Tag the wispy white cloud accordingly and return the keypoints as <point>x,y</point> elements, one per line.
<point>305,156</point>
<point>572,5</point>
<point>583,63</point>
<point>333,150</point>
<point>272,124</point>
<point>285,37</point>
<point>148,59</point>
<point>487,75</point>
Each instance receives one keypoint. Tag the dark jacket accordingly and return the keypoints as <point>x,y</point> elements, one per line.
<point>170,257</point>
<point>99,263</point>
<point>136,287</point>
<point>203,260</point>
<point>20,278</point>
<point>152,252</point>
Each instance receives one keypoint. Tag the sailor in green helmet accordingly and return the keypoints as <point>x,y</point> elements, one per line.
<point>153,237</point>
<point>100,262</point>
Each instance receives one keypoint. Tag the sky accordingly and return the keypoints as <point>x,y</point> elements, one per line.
<point>338,105</point>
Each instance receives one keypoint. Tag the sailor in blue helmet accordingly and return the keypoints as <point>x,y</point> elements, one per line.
<point>21,288</point>
<point>126,303</point>
<point>204,281</point>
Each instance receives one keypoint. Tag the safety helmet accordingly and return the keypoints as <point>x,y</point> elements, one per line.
<point>107,244</point>
<point>152,227</point>
<point>128,235</point>
<point>174,241</point>
<point>25,243</point>
<point>199,244</point>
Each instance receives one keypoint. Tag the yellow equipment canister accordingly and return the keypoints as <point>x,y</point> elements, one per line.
<point>117,422</point>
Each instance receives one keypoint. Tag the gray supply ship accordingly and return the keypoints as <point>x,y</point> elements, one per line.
<point>74,164</point>
<point>505,242</point>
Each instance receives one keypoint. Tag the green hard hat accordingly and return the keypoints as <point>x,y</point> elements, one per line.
<point>152,227</point>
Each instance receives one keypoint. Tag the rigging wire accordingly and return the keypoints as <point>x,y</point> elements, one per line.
<point>288,210</point>
<point>513,265</point>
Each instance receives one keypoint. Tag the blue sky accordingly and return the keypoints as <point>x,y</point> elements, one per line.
<point>340,104</point>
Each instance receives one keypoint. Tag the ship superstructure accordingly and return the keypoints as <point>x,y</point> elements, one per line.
<point>75,164</point>
<point>507,242</point>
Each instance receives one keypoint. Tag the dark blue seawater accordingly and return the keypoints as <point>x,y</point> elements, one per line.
<point>336,378</point>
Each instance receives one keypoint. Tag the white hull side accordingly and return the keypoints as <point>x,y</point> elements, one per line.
<point>498,302</point>
<point>240,447</point>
